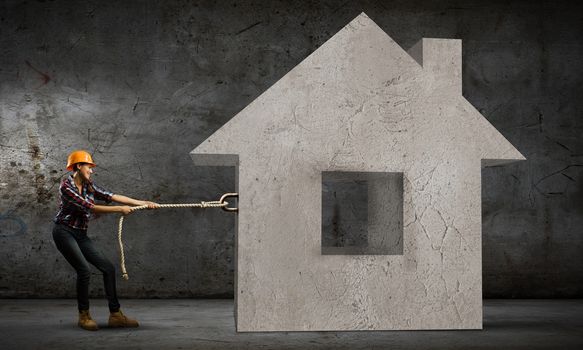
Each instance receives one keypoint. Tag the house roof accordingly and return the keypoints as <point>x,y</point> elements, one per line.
<point>361,78</point>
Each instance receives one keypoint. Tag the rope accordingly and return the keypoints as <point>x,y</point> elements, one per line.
<point>211,204</point>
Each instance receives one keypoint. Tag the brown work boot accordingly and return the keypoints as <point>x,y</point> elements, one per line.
<point>86,322</point>
<point>118,319</point>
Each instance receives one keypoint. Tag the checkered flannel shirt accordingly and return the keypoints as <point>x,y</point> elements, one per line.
<point>75,208</point>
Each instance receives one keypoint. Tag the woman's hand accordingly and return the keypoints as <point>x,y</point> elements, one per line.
<point>125,209</point>
<point>151,205</point>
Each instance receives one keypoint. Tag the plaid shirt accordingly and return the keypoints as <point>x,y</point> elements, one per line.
<point>75,208</point>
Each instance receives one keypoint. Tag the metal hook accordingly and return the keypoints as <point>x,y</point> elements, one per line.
<point>229,195</point>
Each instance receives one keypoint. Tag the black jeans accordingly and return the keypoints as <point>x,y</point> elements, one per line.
<point>78,249</point>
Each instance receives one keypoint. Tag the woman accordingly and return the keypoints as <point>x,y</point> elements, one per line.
<point>78,194</point>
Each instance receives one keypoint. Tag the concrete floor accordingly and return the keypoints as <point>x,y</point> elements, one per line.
<point>209,324</point>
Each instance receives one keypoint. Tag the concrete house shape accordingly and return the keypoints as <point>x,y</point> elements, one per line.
<point>361,104</point>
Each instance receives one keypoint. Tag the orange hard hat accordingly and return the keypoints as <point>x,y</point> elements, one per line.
<point>79,157</point>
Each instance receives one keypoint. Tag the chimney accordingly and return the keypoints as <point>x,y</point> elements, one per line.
<point>441,60</point>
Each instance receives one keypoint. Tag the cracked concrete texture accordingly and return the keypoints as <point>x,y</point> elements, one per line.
<point>360,103</point>
<point>144,82</point>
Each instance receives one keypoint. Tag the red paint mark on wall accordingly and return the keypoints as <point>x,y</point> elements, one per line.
<point>44,76</point>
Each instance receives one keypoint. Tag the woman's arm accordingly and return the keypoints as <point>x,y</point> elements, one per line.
<point>123,209</point>
<point>130,201</point>
<point>126,200</point>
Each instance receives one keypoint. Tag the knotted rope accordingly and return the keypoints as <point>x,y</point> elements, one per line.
<point>212,204</point>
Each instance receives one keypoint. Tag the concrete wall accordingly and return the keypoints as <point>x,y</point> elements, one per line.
<point>141,83</point>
